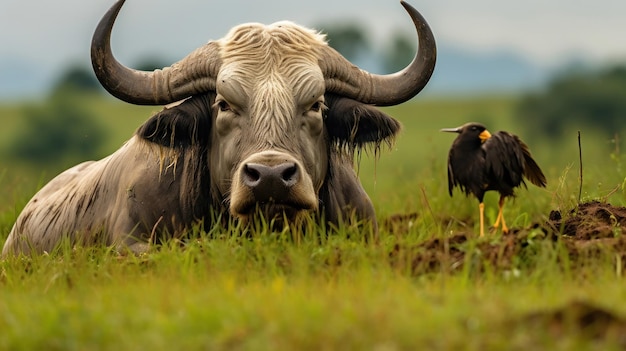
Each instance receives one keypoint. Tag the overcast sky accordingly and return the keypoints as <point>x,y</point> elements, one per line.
<point>52,33</point>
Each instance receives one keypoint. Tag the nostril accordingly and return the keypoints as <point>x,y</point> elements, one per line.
<point>289,175</point>
<point>251,174</point>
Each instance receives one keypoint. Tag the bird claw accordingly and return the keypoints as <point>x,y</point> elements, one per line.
<point>494,229</point>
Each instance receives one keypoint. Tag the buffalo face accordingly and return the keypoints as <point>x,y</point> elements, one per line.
<point>269,150</point>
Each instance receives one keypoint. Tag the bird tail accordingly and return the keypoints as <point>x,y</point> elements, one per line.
<point>532,171</point>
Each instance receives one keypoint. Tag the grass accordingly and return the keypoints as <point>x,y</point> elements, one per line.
<point>269,292</point>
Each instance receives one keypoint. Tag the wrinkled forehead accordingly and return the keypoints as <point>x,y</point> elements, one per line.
<point>285,34</point>
<point>282,53</point>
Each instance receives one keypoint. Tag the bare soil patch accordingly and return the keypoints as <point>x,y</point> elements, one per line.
<point>589,231</point>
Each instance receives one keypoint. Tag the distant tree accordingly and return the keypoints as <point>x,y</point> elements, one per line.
<point>76,79</point>
<point>349,39</point>
<point>400,51</point>
<point>592,98</point>
<point>55,134</point>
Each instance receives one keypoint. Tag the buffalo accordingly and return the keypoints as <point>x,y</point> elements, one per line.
<point>267,122</point>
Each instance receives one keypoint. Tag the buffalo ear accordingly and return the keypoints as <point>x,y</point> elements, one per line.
<point>353,123</point>
<point>185,124</point>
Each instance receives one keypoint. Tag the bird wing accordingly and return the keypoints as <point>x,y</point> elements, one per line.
<point>504,158</point>
<point>531,169</point>
<point>509,158</point>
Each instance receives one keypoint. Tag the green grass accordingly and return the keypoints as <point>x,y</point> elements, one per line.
<point>269,292</point>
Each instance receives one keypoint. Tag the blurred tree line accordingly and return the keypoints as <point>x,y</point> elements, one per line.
<point>593,99</point>
<point>59,131</point>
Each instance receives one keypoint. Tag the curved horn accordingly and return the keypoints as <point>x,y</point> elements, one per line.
<point>192,75</point>
<point>344,78</point>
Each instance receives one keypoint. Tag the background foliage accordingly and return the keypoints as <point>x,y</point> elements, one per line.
<point>592,99</point>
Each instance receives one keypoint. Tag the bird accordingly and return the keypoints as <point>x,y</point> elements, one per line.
<point>479,161</point>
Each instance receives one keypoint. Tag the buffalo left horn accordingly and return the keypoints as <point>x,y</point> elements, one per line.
<point>192,75</point>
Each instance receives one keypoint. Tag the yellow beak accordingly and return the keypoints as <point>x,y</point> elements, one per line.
<point>484,135</point>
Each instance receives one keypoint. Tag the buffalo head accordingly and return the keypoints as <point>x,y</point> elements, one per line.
<point>283,101</point>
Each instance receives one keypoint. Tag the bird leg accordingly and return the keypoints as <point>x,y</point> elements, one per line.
<point>481,209</point>
<point>500,217</point>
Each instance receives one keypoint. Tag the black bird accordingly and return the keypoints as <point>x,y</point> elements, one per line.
<point>480,161</point>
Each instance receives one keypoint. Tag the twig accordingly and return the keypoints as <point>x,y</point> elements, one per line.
<point>606,197</point>
<point>580,161</point>
<point>430,209</point>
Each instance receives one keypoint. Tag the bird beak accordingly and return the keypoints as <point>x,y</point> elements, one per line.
<point>451,130</point>
<point>484,135</point>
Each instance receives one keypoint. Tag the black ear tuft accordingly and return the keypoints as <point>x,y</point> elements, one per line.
<point>350,122</point>
<point>186,124</point>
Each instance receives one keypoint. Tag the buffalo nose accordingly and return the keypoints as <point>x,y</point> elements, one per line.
<point>271,183</point>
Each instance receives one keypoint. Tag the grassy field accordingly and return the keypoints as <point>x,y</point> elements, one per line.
<point>428,283</point>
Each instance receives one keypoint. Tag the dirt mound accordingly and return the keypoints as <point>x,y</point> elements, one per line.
<point>453,253</point>
<point>587,232</point>
<point>591,220</point>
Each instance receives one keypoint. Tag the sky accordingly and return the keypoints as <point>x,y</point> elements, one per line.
<point>39,38</point>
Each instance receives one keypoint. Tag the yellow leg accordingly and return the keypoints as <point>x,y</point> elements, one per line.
<point>481,208</point>
<point>500,217</point>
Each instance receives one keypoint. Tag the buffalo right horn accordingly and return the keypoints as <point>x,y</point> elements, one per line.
<point>344,78</point>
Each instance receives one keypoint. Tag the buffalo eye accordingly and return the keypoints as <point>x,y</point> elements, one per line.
<point>223,106</point>
<point>317,106</point>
